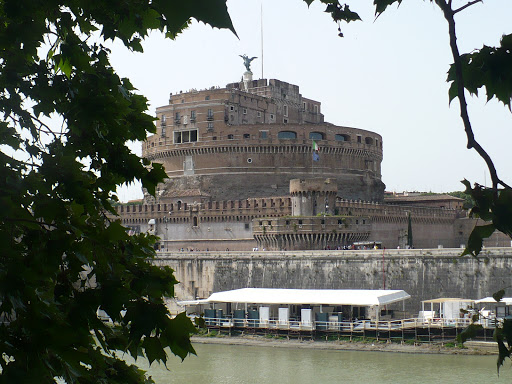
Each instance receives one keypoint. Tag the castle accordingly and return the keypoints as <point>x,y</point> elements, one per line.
<point>254,165</point>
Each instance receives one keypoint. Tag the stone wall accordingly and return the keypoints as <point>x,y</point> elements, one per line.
<point>424,274</point>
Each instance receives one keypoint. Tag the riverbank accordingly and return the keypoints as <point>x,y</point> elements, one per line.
<point>470,348</point>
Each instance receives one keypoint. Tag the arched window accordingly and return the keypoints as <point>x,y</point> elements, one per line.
<point>287,135</point>
<point>368,140</point>
<point>316,136</point>
<point>340,137</point>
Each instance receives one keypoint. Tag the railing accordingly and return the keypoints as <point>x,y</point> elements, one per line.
<point>344,326</point>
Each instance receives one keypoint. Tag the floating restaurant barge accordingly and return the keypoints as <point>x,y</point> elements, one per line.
<point>352,314</point>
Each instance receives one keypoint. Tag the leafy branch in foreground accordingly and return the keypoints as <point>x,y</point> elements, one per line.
<point>489,68</point>
<point>62,259</point>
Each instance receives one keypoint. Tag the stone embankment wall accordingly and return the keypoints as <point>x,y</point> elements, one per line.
<point>423,273</point>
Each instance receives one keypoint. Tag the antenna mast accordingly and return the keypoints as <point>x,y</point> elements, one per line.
<point>261,25</point>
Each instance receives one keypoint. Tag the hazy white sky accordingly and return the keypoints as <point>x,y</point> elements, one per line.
<point>386,75</point>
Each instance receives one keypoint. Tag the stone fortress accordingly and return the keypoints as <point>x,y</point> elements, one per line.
<point>254,165</point>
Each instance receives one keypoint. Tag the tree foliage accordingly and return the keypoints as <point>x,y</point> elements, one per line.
<point>62,258</point>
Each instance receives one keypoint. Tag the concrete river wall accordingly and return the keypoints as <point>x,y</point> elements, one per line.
<point>423,273</point>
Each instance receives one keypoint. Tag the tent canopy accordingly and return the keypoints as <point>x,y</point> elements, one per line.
<point>490,299</point>
<point>442,300</point>
<point>355,297</point>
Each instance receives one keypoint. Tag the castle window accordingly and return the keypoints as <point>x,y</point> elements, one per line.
<point>368,140</point>
<point>182,101</point>
<point>315,108</point>
<point>231,118</point>
<point>304,105</point>
<point>214,138</point>
<point>192,116</point>
<point>263,134</point>
<point>231,108</point>
<point>259,114</point>
<point>287,135</point>
<point>196,222</point>
<point>358,138</point>
<point>316,136</point>
<point>300,222</point>
<point>271,116</point>
<point>209,115</point>
<point>185,136</point>
<point>285,121</point>
<point>210,126</point>
<point>247,135</point>
<point>231,137</point>
<point>245,111</point>
<point>163,131</point>
<point>340,137</point>
<point>207,98</point>
<point>246,226</point>
<point>177,116</point>
<point>285,110</point>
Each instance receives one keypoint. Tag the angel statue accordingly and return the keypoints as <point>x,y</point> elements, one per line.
<point>247,61</point>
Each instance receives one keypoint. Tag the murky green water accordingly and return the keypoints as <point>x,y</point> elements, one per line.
<point>226,364</point>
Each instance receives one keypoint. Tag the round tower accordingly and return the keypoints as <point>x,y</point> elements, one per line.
<point>311,197</point>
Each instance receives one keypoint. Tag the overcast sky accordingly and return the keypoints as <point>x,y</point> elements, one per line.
<point>386,75</point>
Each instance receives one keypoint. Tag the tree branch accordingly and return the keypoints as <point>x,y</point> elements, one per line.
<point>467,5</point>
<point>472,143</point>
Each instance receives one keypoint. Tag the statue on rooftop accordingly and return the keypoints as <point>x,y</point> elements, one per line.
<point>247,61</point>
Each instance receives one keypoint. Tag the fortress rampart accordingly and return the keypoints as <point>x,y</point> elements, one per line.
<point>424,274</point>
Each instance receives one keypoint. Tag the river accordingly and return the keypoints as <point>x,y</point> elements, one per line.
<point>227,364</point>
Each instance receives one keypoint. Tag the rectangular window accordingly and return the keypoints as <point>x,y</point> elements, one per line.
<point>245,111</point>
<point>259,114</point>
<point>263,134</point>
<point>304,105</point>
<point>316,108</point>
<point>163,131</point>
<point>231,108</point>
<point>247,136</point>
<point>209,115</point>
<point>185,136</point>
<point>285,110</point>
<point>192,115</point>
<point>271,116</point>
<point>285,121</point>
<point>210,126</point>
<point>177,116</point>
<point>358,138</point>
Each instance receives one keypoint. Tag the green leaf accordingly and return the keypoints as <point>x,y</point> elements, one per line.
<point>498,295</point>
<point>468,333</point>
<point>476,238</point>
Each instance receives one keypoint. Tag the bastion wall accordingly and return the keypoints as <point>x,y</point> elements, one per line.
<point>424,274</point>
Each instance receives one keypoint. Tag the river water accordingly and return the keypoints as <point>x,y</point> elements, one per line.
<point>227,364</point>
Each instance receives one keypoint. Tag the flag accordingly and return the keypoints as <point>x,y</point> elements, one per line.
<point>316,156</point>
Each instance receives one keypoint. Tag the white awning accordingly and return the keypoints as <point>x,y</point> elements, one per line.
<point>490,299</point>
<point>355,297</point>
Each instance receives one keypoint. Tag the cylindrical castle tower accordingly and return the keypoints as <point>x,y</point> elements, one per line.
<point>234,144</point>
